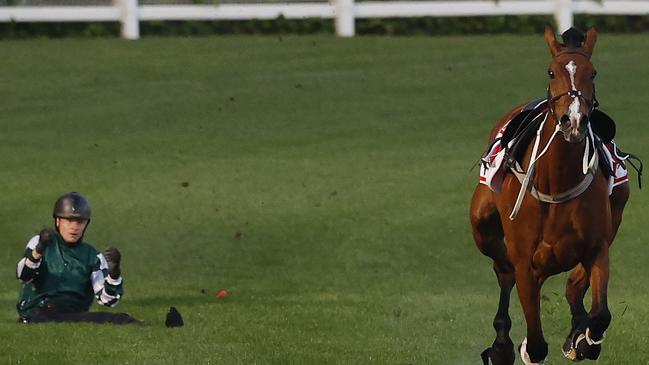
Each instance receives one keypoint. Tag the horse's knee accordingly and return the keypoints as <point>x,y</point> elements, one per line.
<point>576,286</point>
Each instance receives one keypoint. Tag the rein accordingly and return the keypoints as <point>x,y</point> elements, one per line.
<point>525,179</point>
<point>589,166</point>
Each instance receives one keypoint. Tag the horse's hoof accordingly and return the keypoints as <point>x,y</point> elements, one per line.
<point>522,349</point>
<point>569,350</point>
<point>572,355</point>
<point>580,347</point>
<point>485,356</point>
<point>586,351</point>
<point>498,356</point>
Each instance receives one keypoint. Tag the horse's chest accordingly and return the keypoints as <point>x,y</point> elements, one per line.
<point>554,257</point>
<point>562,248</point>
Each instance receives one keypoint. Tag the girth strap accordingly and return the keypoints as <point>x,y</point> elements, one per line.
<point>526,179</point>
<point>563,196</point>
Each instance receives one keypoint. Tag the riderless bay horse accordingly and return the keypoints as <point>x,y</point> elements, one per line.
<point>554,211</point>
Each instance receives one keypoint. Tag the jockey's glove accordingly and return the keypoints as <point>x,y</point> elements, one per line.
<point>45,237</point>
<point>113,258</point>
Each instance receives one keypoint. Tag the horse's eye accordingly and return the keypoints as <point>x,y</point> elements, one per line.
<point>551,74</point>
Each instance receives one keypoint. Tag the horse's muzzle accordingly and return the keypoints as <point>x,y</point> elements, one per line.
<point>574,130</point>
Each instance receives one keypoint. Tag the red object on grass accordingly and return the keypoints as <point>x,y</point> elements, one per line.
<point>222,294</point>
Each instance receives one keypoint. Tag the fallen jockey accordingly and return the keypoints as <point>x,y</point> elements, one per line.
<point>62,274</point>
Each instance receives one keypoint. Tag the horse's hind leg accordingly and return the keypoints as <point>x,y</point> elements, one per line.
<point>501,351</point>
<point>488,235</point>
<point>618,200</point>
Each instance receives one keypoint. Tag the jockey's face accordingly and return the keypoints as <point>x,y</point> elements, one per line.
<point>71,229</point>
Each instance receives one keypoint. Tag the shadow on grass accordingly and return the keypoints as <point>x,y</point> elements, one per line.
<point>173,300</point>
<point>9,313</point>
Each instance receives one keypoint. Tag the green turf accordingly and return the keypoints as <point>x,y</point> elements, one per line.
<point>327,189</point>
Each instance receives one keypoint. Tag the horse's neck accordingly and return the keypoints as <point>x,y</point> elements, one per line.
<point>561,168</point>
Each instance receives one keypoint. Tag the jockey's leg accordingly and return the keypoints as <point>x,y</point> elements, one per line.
<point>53,315</point>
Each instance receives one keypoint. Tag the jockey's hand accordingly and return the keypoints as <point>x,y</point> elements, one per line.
<point>45,237</point>
<point>113,258</point>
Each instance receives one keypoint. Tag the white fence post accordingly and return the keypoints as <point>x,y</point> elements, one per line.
<point>563,15</point>
<point>344,10</point>
<point>129,18</point>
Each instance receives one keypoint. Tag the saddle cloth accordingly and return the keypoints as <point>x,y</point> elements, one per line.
<point>493,168</point>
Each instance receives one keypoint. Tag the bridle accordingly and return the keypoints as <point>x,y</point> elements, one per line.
<point>573,93</point>
<point>589,165</point>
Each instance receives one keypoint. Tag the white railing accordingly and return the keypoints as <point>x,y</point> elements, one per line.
<point>129,13</point>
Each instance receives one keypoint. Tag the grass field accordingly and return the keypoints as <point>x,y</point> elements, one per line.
<point>323,182</point>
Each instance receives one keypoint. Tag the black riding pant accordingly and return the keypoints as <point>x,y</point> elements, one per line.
<point>53,315</point>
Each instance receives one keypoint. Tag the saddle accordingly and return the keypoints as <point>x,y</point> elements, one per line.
<point>522,128</point>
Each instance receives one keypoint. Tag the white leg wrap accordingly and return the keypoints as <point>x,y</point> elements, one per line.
<point>525,357</point>
<point>592,342</point>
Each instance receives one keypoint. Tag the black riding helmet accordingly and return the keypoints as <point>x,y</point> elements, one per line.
<point>72,205</point>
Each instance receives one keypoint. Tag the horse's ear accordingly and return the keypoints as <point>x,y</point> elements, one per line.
<point>551,38</point>
<point>591,39</point>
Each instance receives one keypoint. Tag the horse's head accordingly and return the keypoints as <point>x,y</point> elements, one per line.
<point>571,92</point>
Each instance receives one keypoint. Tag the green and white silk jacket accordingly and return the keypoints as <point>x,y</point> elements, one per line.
<point>67,278</point>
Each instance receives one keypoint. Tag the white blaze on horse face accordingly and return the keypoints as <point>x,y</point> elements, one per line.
<point>573,110</point>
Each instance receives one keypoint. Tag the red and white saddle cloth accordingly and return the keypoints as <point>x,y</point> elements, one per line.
<point>492,168</point>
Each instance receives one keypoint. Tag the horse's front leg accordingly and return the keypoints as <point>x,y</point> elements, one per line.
<point>600,316</point>
<point>579,279</point>
<point>534,349</point>
<point>585,341</point>
<point>576,288</point>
